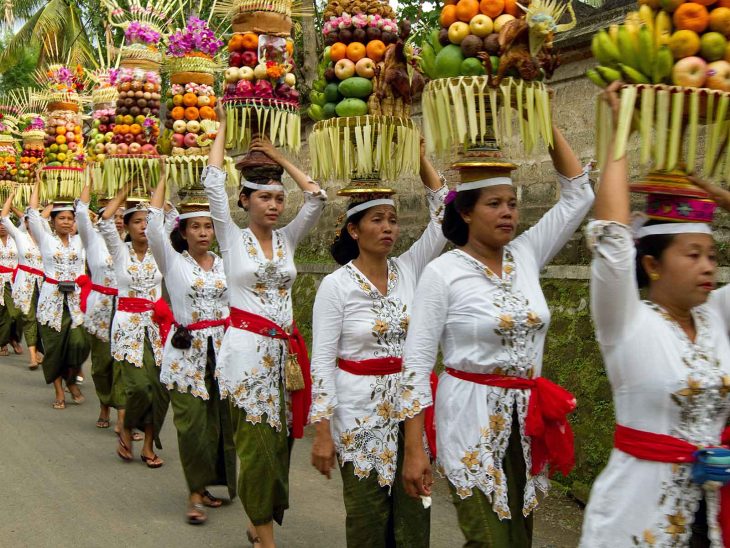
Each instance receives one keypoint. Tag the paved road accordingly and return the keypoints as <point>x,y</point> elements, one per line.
<point>64,486</point>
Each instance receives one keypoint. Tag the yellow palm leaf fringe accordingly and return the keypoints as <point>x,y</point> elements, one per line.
<point>185,171</point>
<point>281,125</point>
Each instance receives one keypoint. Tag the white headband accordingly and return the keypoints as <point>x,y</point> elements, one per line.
<point>56,209</point>
<point>135,209</point>
<point>101,210</point>
<point>673,228</point>
<point>192,214</point>
<point>367,205</point>
<point>256,186</point>
<point>484,183</point>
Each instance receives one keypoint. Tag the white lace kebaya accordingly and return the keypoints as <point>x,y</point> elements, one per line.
<point>30,256</point>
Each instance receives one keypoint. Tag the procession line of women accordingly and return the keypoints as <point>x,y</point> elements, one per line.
<point>227,356</point>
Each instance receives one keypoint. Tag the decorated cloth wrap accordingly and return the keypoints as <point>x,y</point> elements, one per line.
<point>547,418</point>
<point>664,448</point>
<point>392,366</point>
<point>87,286</point>
<point>161,313</point>
<point>301,399</point>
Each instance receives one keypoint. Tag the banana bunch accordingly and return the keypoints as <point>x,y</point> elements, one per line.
<point>429,49</point>
<point>636,52</point>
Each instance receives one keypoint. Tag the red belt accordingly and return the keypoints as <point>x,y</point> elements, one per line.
<point>31,270</point>
<point>7,270</point>
<point>205,324</point>
<point>301,400</point>
<point>87,286</point>
<point>391,366</point>
<point>161,313</point>
<point>547,418</point>
<point>663,448</point>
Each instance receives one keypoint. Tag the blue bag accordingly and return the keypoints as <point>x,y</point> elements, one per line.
<point>711,465</point>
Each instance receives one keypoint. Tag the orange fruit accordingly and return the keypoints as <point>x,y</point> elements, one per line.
<point>235,44</point>
<point>511,7</point>
<point>492,8</point>
<point>190,99</point>
<point>375,50</point>
<point>192,113</point>
<point>720,20</point>
<point>178,113</point>
<point>338,51</point>
<point>250,40</point>
<point>448,15</point>
<point>290,46</point>
<point>355,51</point>
<point>466,9</point>
<point>691,16</point>
<point>207,113</point>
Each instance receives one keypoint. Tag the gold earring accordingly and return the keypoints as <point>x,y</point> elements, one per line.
<point>654,276</point>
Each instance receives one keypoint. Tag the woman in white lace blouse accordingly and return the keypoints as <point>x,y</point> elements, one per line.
<point>262,340</point>
<point>196,284</point>
<point>483,303</point>
<point>360,320</point>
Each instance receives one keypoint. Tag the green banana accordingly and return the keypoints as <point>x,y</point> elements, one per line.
<point>663,65</point>
<point>608,74</point>
<point>435,44</point>
<point>427,62</point>
<point>629,55</point>
<point>634,76</point>
<point>595,77</point>
<point>604,49</point>
<point>647,51</point>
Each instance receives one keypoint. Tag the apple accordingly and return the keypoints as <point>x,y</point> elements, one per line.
<point>481,25</point>
<point>235,59</point>
<point>99,148</point>
<point>231,74</point>
<point>712,46</point>
<point>177,139</point>
<point>249,59</point>
<point>502,20</point>
<point>344,68</point>
<point>204,100</point>
<point>190,140</point>
<point>244,73</point>
<point>259,71</point>
<point>689,72</point>
<point>108,136</point>
<point>128,138</point>
<point>364,67</point>
<point>458,31</point>
<point>179,126</point>
<point>72,145</point>
<point>111,148</point>
<point>149,150</point>
<point>193,126</point>
<point>140,139</point>
<point>135,148</point>
<point>291,80</point>
<point>718,75</point>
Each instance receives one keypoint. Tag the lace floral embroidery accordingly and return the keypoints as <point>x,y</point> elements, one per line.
<point>68,263</point>
<point>25,282</point>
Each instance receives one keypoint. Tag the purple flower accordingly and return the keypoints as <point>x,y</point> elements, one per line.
<point>196,36</point>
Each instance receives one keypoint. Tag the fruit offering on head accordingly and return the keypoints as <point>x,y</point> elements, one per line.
<point>193,123</point>
<point>63,141</point>
<point>136,118</point>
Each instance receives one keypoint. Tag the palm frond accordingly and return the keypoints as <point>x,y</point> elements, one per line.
<point>15,47</point>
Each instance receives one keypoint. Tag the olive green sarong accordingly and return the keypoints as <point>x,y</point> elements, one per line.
<point>10,318</point>
<point>378,519</point>
<point>102,367</point>
<point>145,398</point>
<point>65,350</point>
<point>480,524</point>
<point>263,481</point>
<point>30,322</point>
<point>204,435</point>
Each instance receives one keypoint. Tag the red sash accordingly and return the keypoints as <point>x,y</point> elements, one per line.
<point>87,286</point>
<point>161,313</point>
<point>31,270</point>
<point>205,324</point>
<point>6,270</point>
<point>301,400</point>
<point>547,418</point>
<point>663,448</point>
<point>391,366</point>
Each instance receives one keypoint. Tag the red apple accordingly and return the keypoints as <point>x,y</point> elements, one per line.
<point>248,59</point>
<point>235,59</point>
<point>690,72</point>
<point>178,139</point>
<point>128,138</point>
<point>190,140</point>
<point>149,150</point>
<point>718,75</point>
<point>134,148</point>
<point>344,69</point>
<point>365,67</point>
<point>122,148</point>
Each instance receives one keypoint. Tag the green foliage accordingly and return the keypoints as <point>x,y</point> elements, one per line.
<point>423,17</point>
<point>19,75</point>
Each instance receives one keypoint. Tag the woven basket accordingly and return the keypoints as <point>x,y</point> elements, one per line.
<point>144,64</point>
<point>192,77</point>
<point>62,105</point>
<point>263,22</point>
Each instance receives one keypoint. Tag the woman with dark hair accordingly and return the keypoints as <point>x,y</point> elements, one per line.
<point>668,361</point>
<point>483,303</point>
<point>262,364</point>
<point>28,278</point>
<point>136,344</point>
<point>196,283</point>
<point>360,320</point>
<point>59,303</point>
<point>10,315</point>
<point>97,302</point>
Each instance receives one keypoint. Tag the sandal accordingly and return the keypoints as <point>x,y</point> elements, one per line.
<point>152,462</point>
<point>59,404</point>
<point>33,366</point>
<point>4,351</point>
<point>78,400</point>
<point>102,423</point>
<point>137,436</point>
<point>16,347</point>
<point>210,501</point>
<point>126,457</point>
<point>196,514</point>
<point>252,539</point>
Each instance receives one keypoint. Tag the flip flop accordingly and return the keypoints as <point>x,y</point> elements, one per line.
<point>252,539</point>
<point>4,351</point>
<point>123,446</point>
<point>78,400</point>
<point>16,347</point>
<point>59,404</point>
<point>33,366</point>
<point>152,462</point>
<point>212,502</point>
<point>102,423</point>
<point>196,514</point>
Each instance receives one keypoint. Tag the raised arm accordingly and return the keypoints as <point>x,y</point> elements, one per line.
<point>83,219</point>
<point>157,235</point>
<point>217,154</point>
<point>303,181</point>
<point>13,230</point>
<point>327,317</point>
<point>107,227</point>
<point>35,222</point>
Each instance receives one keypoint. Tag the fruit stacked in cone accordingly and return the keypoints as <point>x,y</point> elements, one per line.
<point>136,117</point>
<point>8,160</point>
<point>104,96</point>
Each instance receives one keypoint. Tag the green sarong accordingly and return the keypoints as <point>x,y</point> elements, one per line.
<point>145,398</point>
<point>378,519</point>
<point>65,350</point>
<point>263,453</point>
<point>204,435</point>
<point>10,318</point>
<point>102,369</point>
<point>480,524</point>
<point>30,322</point>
